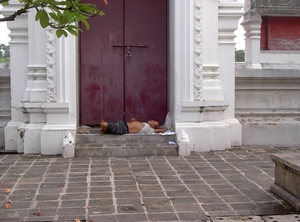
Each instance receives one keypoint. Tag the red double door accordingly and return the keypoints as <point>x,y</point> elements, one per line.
<point>123,62</point>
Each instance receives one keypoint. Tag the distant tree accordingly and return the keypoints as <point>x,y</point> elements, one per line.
<point>240,55</point>
<point>4,53</point>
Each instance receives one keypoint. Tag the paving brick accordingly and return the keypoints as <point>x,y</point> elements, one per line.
<point>193,216</point>
<point>162,217</point>
<point>131,217</point>
<point>155,208</point>
<point>224,184</point>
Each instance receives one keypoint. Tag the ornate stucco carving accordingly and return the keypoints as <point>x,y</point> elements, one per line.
<point>51,74</point>
<point>197,91</point>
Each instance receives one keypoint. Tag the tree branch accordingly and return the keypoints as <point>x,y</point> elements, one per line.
<point>15,14</point>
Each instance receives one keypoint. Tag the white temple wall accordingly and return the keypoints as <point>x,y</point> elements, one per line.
<point>18,73</point>
<point>268,84</point>
<point>45,92</point>
<point>200,120</point>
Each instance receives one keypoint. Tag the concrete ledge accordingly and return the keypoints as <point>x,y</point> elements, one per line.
<point>287,177</point>
<point>288,197</point>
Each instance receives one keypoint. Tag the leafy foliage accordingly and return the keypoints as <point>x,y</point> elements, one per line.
<point>240,55</point>
<point>4,53</point>
<point>61,15</point>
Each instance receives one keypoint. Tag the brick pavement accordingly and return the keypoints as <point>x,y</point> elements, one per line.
<point>203,187</point>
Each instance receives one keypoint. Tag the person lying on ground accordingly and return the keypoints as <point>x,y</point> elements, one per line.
<point>133,126</point>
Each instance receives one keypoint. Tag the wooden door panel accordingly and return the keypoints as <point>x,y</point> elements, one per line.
<point>146,68</point>
<point>101,66</point>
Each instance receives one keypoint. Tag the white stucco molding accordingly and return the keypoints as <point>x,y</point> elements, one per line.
<point>203,111</point>
<point>229,14</point>
<point>51,61</point>
<point>198,49</point>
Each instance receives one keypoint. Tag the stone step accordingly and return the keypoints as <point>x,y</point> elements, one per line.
<point>125,150</point>
<point>127,138</point>
<point>129,145</point>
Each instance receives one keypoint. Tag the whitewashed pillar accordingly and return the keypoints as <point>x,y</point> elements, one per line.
<point>197,70</point>
<point>230,12</point>
<point>252,25</point>
<point>5,107</point>
<point>212,89</point>
<point>18,73</point>
<point>35,93</point>
<point>62,92</point>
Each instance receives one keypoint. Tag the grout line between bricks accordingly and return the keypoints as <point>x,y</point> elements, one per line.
<point>33,201</point>
<point>249,179</point>
<point>162,187</point>
<point>113,186</point>
<point>88,181</point>
<point>179,177</point>
<point>207,213</point>
<point>139,190</point>
<point>63,191</point>
<point>21,176</point>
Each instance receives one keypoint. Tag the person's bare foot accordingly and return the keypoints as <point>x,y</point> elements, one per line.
<point>103,126</point>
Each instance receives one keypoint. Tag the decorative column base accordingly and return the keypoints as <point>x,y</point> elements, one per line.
<point>57,127</point>
<point>36,121</point>
<point>203,128</point>
<point>52,137</point>
<point>11,135</point>
<point>32,138</point>
<point>202,137</point>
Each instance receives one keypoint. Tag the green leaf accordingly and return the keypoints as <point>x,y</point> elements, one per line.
<point>54,16</point>
<point>64,33</point>
<point>83,19</point>
<point>64,18</point>
<point>67,16</point>
<point>38,15</point>
<point>59,33</point>
<point>72,31</point>
<point>44,20</point>
<point>101,13</point>
<point>74,27</point>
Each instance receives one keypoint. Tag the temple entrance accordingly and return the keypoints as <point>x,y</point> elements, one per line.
<point>123,63</point>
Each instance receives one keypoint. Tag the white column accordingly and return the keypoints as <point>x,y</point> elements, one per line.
<point>252,25</point>
<point>180,55</point>
<point>18,72</point>
<point>4,102</point>
<point>62,92</point>
<point>35,94</point>
<point>229,14</point>
<point>212,89</point>
<point>200,96</point>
